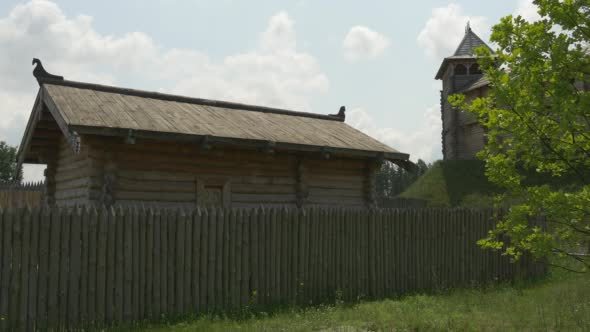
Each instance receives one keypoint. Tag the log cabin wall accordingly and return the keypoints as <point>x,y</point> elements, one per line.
<point>167,174</point>
<point>71,175</point>
<point>336,182</point>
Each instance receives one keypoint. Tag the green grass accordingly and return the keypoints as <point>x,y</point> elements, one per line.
<point>453,183</point>
<point>561,302</point>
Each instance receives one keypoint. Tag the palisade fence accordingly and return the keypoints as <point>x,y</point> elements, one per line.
<point>65,269</point>
<point>20,195</point>
<point>403,203</point>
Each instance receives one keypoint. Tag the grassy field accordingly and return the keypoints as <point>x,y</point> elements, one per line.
<point>559,303</point>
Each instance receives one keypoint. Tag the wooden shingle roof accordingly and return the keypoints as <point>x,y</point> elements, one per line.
<point>83,108</point>
<point>470,42</point>
<point>465,50</point>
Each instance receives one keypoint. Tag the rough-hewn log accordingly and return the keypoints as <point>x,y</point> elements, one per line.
<point>302,191</point>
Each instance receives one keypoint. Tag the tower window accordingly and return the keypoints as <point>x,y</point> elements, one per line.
<point>460,70</point>
<point>474,69</point>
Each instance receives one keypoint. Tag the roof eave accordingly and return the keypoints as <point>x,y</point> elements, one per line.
<point>237,142</point>
<point>474,87</point>
<point>30,128</point>
<point>441,69</point>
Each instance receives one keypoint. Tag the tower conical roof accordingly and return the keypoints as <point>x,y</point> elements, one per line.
<point>466,50</point>
<point>470,42</point>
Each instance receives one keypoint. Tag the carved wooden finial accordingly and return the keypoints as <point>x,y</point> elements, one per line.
<point>40,73</point>
<point>341,113</point>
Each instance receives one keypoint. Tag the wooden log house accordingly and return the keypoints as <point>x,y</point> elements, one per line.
<point>108,146</point>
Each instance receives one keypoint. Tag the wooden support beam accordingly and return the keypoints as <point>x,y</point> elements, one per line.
<point>50,182</point>
<point>205,144</point>
<point>269,147</point>
<point>72,136</point>
<point>326,153</point>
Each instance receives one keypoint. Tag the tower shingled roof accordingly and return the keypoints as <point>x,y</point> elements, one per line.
<point>469,43</point>
<point>465,50</point>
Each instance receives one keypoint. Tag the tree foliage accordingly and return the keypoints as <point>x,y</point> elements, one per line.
<point>8,165</point>
<point>392,180</point>
<point>537,117</point>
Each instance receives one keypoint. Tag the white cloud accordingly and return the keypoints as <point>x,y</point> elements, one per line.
<point>363,43</point>
<point>422,143</point>
<point>445,28</point>
<point>274,73</point>
<point>528,10</point>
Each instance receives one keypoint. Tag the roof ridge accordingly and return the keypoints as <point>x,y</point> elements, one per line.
<point>185,99</point>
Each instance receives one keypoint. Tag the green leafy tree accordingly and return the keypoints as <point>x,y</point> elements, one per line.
<point>392,180</point>
<point>537,117</point>
<point>8,165</point>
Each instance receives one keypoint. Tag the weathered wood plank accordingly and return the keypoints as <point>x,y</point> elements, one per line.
<point>128,266</point>
<point>273,282</point>
<point>315,259</point>
<point>179,262</point>
<point>239,257</point>
<point>219,259</point>
<point>92,257</point>
<point>33,274</point>
<point>134,264</point>
<point>188,263</point>
<point>291,248</point>
<point>120,267</point>
<point>172,217</point>
<point>73,316</point>
<point>6,227</point>
<point>204,260</point>
<point>141,222</point>
<point>361,225</point>
<point>15,284</point>
<point>53,267</point>
<point>164,265</point>
<point>84,277</point>
<point>149,288</point>
<point>324,240</point>
<point>341,235</point>
<point>268,272</point>
<point>101,265</point>
<point>245,287</point>
<point>233,277</point>
<point>196,261</point>
<point>211,262</point>
<point>26,220</point>
<point>111,264</point>
<point>226,259</point>
<point>157,264</point>
<point>64,267</point>
<point>282,256</point>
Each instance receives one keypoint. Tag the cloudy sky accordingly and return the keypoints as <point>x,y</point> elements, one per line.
<point>379,59</point>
